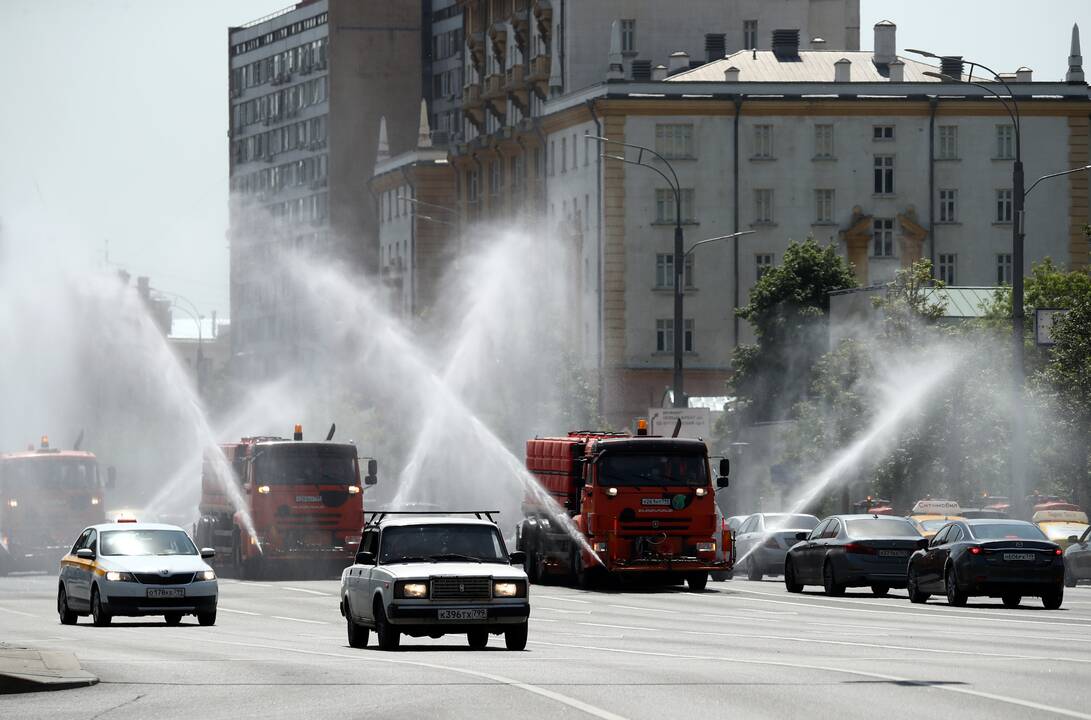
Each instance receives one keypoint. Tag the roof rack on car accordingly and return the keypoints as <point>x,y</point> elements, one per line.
<point>378,515</point>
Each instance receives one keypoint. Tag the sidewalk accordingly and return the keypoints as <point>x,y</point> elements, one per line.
<point>28,670</point>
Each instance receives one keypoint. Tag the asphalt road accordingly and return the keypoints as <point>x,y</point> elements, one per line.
<point>740,649</point>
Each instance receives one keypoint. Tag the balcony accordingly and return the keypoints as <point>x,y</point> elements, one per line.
<point>475,45</point>
<point>538,78</point>
<point>543,13</point>
<point>473,106</point>
<point>520,22</point>
<point>498,34</point>
<point>495,96</point>
<point>515,84</point>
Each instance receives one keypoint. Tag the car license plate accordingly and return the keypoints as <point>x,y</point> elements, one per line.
<point>166,592</point>
<point>479,614</point>
<point>894,553</point>
<point>1019,556</point>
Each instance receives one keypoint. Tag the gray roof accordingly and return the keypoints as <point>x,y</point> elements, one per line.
<point>809,66</point>
<point>963,302</point>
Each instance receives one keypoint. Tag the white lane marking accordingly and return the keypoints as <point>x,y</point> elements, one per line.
<point>534,619</point>
<point>311,622</point>
<point>860,673</point>
<point>875,628</point>
<point>567,612</point>
<point>543,692</point>
<point>237,612</point>
<point>952,615</point>
<point>246,582</point>
<point>305,590</point>
<point>17,612</point>
<point>644,609</point>
<point>564,599</point>
<point>620,627</point>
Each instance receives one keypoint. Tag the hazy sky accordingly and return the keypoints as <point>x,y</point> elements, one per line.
<point>115,124</point>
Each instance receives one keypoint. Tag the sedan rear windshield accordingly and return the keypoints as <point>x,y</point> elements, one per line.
<point>438,543</point>
<point>1006,531</point>
<point>146,542</point>
<point>880,528</point>
<point>792,522</point>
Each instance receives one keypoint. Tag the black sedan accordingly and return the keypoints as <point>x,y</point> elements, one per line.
<point>1008,559</point>
<point>852,551</point>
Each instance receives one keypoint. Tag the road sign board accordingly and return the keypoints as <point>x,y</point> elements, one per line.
<point>1043,324</point>
<point>696,422</point>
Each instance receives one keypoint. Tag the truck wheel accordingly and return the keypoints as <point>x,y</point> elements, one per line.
<point>99,614</point>
<point>389,638</point>
<point>697,581</point>
<point>478,638</point>
<point>515,637</point>
<point>531,566</point>
<point>67,616</point>
<point>585,577</point>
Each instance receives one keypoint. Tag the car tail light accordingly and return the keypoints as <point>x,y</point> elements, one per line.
<point>771,543</point>
<point>1058,551</point>
<point>859,549</point>
<point>975,550</point>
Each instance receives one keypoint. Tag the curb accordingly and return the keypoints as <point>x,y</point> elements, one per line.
<point>24,669</point>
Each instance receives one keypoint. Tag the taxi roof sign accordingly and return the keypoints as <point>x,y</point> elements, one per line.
<point>936,507</point>
<point>1067,516</point>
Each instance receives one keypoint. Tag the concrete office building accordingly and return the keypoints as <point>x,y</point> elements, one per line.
<point>308,86</point>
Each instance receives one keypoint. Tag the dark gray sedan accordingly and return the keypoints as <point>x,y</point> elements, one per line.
<point>853,551</point>
<point>1077,559</point>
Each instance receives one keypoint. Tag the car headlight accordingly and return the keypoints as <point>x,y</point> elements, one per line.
<point>413,589</point>
<point>263,489</point>
<point>354,489</point>
<point>706,547</point>
<point>700,492</point>
<point>204,575</point>
<point>599,547</point>
<point>115,576</point>
<point>509,589</point>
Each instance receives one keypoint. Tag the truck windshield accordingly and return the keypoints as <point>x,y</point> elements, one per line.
<point>291,464</point>
<point>652,470</point>
<point>432,543</point>
<point>146,542</point>
<point>49,473</point>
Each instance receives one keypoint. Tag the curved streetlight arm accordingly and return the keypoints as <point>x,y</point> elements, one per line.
<point>1034,184</point>
<point>431,205</point>
<point>640,156</point>
<point>1012,113</point>
<point>714,239</point>
<point>673,187</point>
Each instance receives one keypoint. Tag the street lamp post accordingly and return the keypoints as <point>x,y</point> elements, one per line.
<point>680,254</point>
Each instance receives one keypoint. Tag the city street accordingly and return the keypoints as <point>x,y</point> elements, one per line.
<point>742,648</point>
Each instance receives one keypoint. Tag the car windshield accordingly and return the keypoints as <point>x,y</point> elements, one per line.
<point>933,525</point>
<point>652,470</point>
<point>306,464</point>
<point>880,527</point>
<point>48,472</point>
<point>790,522</point>
<point>146,542</point>
<point>1007,531</point>
<point>431,543</point>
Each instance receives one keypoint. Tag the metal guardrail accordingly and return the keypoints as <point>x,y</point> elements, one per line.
<point>270,16</point>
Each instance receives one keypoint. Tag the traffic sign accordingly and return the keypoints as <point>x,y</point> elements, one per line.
<point>1043,324</point>
<point>696,423</point>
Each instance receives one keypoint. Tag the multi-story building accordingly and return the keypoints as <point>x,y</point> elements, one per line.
<point>308,86</point>
<point>443,68</point>
<point>862,149</point>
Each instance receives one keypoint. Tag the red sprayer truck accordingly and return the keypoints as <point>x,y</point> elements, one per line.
<point>645,504</point>
<point>295,507</point>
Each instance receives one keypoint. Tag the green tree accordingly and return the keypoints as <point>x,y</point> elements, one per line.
<point>787,309</point>
<point>1067,378</point>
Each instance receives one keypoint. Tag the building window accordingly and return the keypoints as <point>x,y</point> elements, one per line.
<point>552,157</point>
<point>575,147</point>
<point>946,268</point>
<point>496,178</point>
<point>763,263</point>
<point>948,206</point>
<point>664,335</point>
<point>664,271</point>
<point>1003,269</point>
<point>665,205</point>
<point>628,36</point>
<point>674,140</point>
<point>882,132</point>
<point>823,141</point>
<point>564,154</point>
<point>882,237</point>
<point>1005,142</point>
<point>749,34</point>
<point>586,149</point>
<point>763,141</point>
<point>823,200</point>
<point>763,206</point>
<point>884,174</point>
<point>1003,206</point>
<point>948,142</point>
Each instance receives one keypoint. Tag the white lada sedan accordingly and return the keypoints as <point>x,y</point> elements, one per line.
<point>434,574</point>
<point>131,568</point>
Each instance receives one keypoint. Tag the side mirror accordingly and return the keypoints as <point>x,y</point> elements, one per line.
<point>517,558</point>
<point>722,481</point>
<point>111,477</point>
<point>725,467</point>
<point>207,553</point>
<point>372,467</point>
<point>922,544</point>
<point>365,558</point>
<point>85,554</point>
<point>371,480</point>
<point>800,536</point>
<point>1073,539</point>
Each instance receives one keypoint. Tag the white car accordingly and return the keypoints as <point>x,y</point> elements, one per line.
<point>131,568</point>
<point>434,574</point>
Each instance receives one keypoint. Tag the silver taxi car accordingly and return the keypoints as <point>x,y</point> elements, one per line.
<point>132,568</point>
<point>435,574</point>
